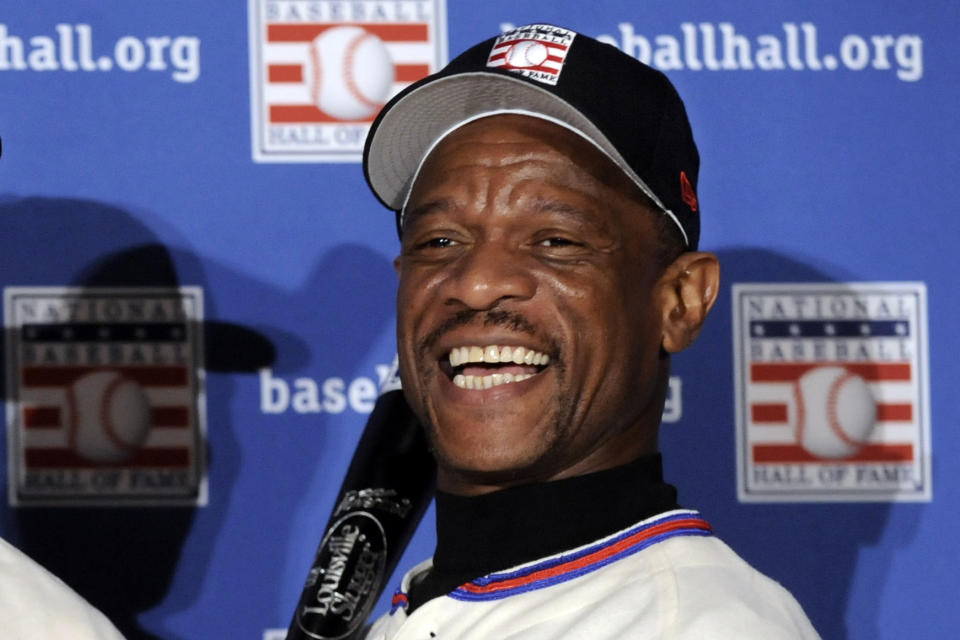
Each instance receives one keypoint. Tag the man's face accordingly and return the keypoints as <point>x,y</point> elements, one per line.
<point>528,324</point>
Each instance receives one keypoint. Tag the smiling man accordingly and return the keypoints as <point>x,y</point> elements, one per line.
<point>544,185</point>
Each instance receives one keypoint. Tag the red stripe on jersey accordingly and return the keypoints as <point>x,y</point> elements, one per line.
<point>590,559</point>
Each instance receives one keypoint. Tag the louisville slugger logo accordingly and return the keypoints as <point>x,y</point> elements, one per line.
<point>345,579</point>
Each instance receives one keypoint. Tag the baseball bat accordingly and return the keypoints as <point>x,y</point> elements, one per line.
<point>387,488</point>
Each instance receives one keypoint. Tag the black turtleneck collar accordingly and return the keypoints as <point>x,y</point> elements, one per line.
<point>479,535</point>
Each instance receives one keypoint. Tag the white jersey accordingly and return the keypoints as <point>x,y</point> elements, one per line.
<point>36,605</point>
<point>666,577</point>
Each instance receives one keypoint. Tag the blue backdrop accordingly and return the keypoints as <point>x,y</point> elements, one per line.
<point>180,203</point>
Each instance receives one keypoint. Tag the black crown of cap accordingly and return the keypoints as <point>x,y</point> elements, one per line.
<point>634,106</point>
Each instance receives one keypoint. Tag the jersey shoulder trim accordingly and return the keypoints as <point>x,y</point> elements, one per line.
<point>573,564</point>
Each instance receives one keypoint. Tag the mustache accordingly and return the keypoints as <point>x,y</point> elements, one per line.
<point>466,317</point>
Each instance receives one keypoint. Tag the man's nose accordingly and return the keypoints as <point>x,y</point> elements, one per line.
<point>489,274</point>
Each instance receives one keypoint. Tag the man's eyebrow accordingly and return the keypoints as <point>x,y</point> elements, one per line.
<point>579,214</point>
<point>440,204</point>
<point>556,206</point>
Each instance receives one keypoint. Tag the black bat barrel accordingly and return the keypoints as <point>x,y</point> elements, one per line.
<point>388,486</point>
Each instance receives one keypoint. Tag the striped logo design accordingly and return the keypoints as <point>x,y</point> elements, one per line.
<point>585,560</point>
<point>832,392</point>
<point>105,395</point>
<point>535,51</point>
<point>320,71</point>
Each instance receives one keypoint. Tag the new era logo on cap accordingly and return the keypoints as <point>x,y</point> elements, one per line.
<point>536,51</point>
<point>687,193</point>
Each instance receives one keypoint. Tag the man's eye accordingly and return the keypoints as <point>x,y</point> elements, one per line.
<point>437,243</point>
<point>558,242</point>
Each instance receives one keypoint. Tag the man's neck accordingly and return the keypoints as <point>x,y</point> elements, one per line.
<point>478,535</point>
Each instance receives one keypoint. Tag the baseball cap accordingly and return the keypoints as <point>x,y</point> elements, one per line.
<point>628,110</point>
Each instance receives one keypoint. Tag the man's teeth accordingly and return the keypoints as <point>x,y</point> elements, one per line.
<point>492,380</point>
<point>461,356</point>
<point>517,355</point>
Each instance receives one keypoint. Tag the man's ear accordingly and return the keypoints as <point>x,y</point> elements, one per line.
<point>688,289</point>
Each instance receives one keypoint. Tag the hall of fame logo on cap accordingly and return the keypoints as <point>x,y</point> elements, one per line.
<point>832,392</point>
<point>535,51</point>
<point>105,400</point>
<point>321,70</point>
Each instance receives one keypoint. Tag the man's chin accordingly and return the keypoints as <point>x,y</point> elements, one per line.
<point>501,437</point>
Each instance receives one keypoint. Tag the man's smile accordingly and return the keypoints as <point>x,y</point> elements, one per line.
<point>483,367</point>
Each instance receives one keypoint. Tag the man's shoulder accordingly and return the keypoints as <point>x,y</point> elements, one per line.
<point>36,604</point>
<point>665,577</point>
<point>703,588</point>
<point>668,576</point>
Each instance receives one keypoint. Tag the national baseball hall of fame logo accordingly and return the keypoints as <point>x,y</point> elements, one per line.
<point>105,400</point>
<point>832,395</point>
<point>320,70</point>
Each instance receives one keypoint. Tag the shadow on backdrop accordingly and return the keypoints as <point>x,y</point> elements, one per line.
<point>812,549</point>
<point>343,307</point>
<point>121,558</point>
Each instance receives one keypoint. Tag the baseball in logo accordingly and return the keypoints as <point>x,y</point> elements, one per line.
<point>834,412</point>
<point>107,416</point>
<point>105,400</point>
<point>350,72</point>
<point>320,74</point>
<point>832,392</point>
